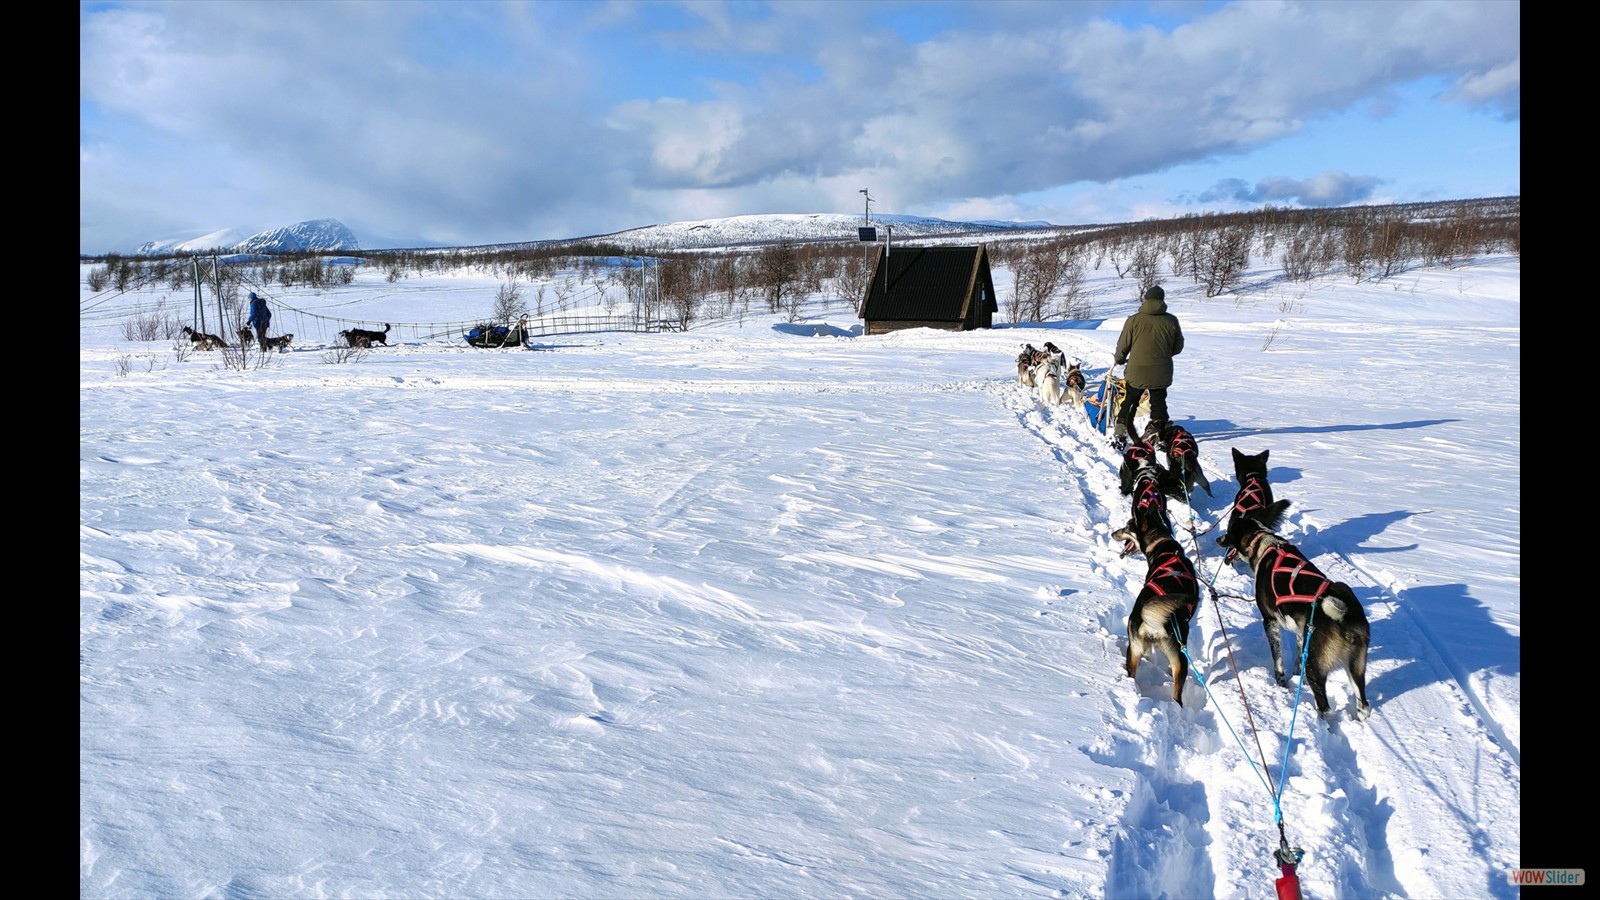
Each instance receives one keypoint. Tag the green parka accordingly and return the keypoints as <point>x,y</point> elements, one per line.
<point>1150,339</point>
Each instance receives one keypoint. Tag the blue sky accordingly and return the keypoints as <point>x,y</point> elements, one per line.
<point>473,122</point>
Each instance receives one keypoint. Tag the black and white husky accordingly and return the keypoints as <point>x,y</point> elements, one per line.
<point>1294,594</point>
<point>1166,602</point>
<point>1183,455</point>
<point>1255,491</point>
<point>1074,382</point>
<point>1026,360</point>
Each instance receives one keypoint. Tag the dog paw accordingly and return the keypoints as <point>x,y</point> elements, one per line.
<point>1362,711</point>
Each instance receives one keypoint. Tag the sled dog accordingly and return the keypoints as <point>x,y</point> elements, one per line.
<point>1183,456</point>
<point>1294,594</point>
<point>1166,602</point>
<point>1255,491</point>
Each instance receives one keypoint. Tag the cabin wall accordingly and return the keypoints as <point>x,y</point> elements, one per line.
<point>884,327</point>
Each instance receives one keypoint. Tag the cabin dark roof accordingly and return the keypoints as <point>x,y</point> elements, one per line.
<point>924,283</point>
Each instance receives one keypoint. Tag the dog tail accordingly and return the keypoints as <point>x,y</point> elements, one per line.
<point>1341,604</point>
<point>1269,517</point>
<point>1334,607</point>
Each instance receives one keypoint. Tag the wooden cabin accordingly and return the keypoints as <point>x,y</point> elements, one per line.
<point>929,287</point>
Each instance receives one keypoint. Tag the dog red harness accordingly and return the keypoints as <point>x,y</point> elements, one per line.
<point>1252,495</point>
<point>1293,578</point>
<point>1150,496</point>
<point>1182,444</point>
<point>1149,501</point>
<point>1172,573</point>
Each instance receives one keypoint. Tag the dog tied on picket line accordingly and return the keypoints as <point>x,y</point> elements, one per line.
<point>1166,602</point>
<point>1139,457</point>
<point>1293,594</point>
<point>1148,483</point>
<point>364,338</point>
<point>203,341</point>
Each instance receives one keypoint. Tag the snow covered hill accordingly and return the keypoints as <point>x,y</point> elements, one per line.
<point>736,230</point>
<point>222,239</point>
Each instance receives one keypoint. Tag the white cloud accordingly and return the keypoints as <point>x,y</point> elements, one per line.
<point>489,122</point>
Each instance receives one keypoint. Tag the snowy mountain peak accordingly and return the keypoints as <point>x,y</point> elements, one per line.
<point>223,239</point>
<point>313,234</point>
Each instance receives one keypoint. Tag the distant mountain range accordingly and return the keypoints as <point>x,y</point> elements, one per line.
<point>314,235</point>
<point>331,234</point>
<point>762,229</point>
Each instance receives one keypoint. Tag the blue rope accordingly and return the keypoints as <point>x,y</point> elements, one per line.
<point>1283,770</point>
<point>1294,714</point>
<point>1276,795</point>
<point>1193,667</point>
<point>1266,782</point>
<point>1194,537</point>
<point>1261,773</point>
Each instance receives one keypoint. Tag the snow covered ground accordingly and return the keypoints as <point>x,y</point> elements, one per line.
<point>773,609</point>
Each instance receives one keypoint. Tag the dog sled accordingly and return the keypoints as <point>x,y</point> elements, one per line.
<point>1101,402</point>
<point>493,337</point>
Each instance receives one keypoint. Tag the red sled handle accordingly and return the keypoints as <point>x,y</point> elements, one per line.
<point>1289,885</point>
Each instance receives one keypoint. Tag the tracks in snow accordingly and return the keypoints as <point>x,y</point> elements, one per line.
<point>1204,769</point>
<point>1163,844</point>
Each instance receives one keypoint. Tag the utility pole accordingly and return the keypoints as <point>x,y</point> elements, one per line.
<point>199,299</point>
<point>888,240</point>
<point>866,250</point>
<point>216,285</point>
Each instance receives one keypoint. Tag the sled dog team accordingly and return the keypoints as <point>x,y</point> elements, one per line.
<point>1049,373</point>
<point>1291,593</point>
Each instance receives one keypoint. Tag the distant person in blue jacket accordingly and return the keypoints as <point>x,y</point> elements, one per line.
<point>260,318</point>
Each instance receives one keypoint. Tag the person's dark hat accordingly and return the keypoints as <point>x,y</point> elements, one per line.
<point>1155,293</point>
<point>253,296</point>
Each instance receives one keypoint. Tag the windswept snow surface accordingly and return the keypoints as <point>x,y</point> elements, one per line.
<point>773,609</point>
